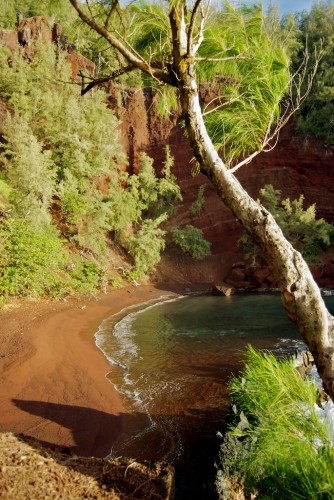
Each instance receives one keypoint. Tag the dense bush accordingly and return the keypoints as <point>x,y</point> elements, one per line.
<point>316,32</point>
<point>34,261</point>
<point>286,440</point>
<point>190,239</point>
<point>61,169</point>
<point>146,245</point>
<point>300,226</point>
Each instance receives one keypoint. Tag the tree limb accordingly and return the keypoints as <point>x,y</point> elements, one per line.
<point>192,26</point>
<point>220,59</point>
<point>114,6</point>
<point>292,106</point>
<point>129,53</point>
<point>103,79</point>
<point>220,105</point>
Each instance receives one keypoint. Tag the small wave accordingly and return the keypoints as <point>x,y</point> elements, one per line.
<point>122,320</point>
<point>288,346</point>
<point>133,395</point>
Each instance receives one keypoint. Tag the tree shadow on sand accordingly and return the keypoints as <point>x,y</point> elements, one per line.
<point>194,479</point>
<point>93,431</point>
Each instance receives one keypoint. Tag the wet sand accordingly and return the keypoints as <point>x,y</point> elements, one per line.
<point>53,385</point>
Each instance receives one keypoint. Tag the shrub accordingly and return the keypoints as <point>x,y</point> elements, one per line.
<point>146,245</point>
<point>31,260</point>
<point>300,226</point>
<point>190,239</point>
<point>64,151</point>
<point>34,261</point>
<point>198,204</point>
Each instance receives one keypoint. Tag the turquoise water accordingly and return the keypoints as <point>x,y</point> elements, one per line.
<point>172,360</point>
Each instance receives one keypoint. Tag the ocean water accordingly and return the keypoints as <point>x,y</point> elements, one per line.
<point>171,360</point>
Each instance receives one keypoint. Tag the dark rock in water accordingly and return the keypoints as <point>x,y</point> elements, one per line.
<point>223,289</point>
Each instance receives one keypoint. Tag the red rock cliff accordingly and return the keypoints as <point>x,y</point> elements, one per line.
<point>297,165</point>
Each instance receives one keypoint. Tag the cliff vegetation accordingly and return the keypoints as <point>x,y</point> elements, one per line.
<point>76,214</point>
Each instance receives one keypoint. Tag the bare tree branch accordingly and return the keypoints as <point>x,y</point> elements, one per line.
<point>192,26</point>
<point>114,6</point>
<point>103,79</point>
<point>89,9</point>
<point>129,53</point>
<point>220,59</point>
<point>222,104</point>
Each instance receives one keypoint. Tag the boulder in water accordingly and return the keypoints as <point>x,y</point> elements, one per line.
<point>223,289</point>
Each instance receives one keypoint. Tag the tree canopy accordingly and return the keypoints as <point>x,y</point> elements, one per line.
<point>316,29</point>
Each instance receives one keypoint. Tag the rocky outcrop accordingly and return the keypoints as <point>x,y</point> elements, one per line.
<point>222,289</point>
<point>40,28</point>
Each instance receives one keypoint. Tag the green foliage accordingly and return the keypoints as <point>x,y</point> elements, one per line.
<point>29,169</point>
<point>63,151</point>
<point>58,144</point>
<point>132,198</point>
<point>34,262</point>
<point>286,449</point>
<point>153,38</point>
<point>29,259</point>
<point>243,54</point>
<point>146,245</point>
<point>251,83</point>
<point>59,11</point>
<point>317,30</point>
<point>300,226</point>
<point>143,202</point>
<point>5,191</point>
<point>198,204</point>
<point>166,101</point>
<point>190,239</point>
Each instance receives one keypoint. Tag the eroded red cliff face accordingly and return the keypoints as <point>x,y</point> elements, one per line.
<point>297,165</point>
<point>40,28</point>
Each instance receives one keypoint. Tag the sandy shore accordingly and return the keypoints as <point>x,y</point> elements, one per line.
<point>53,384</point>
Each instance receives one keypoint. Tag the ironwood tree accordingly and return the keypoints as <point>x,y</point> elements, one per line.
<point>176,44</point>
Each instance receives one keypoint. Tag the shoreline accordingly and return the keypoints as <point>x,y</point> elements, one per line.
<point>54,386</point>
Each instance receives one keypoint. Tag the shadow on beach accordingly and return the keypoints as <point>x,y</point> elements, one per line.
<point>194,473</point>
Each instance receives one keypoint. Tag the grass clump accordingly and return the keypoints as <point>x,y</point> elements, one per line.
<point>285,443</point>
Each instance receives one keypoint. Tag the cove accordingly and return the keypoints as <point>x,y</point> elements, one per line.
<point>171,361</point>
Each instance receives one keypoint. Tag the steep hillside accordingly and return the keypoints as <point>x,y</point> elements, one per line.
<point>298,165</point>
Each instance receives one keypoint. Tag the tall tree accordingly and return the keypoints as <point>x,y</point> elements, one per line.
<point>176,43</point>
<point>317,28</point>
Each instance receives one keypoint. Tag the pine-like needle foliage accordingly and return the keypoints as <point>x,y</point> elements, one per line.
<point>251,84</point>
<point>309,234</point>
<point>242,55</point>
<point>286,448</point>
<point>61,168</point>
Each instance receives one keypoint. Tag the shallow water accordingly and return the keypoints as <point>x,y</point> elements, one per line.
<point>171,361</point>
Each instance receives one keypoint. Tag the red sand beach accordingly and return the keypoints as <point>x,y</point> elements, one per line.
<point>53,384</point>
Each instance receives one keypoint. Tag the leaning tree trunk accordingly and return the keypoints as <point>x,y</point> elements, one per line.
<point>300,294</point>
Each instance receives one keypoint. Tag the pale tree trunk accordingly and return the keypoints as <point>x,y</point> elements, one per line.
<point>300,294</point>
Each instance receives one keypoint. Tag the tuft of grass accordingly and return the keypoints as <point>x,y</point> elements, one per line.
<point>286,450</point>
